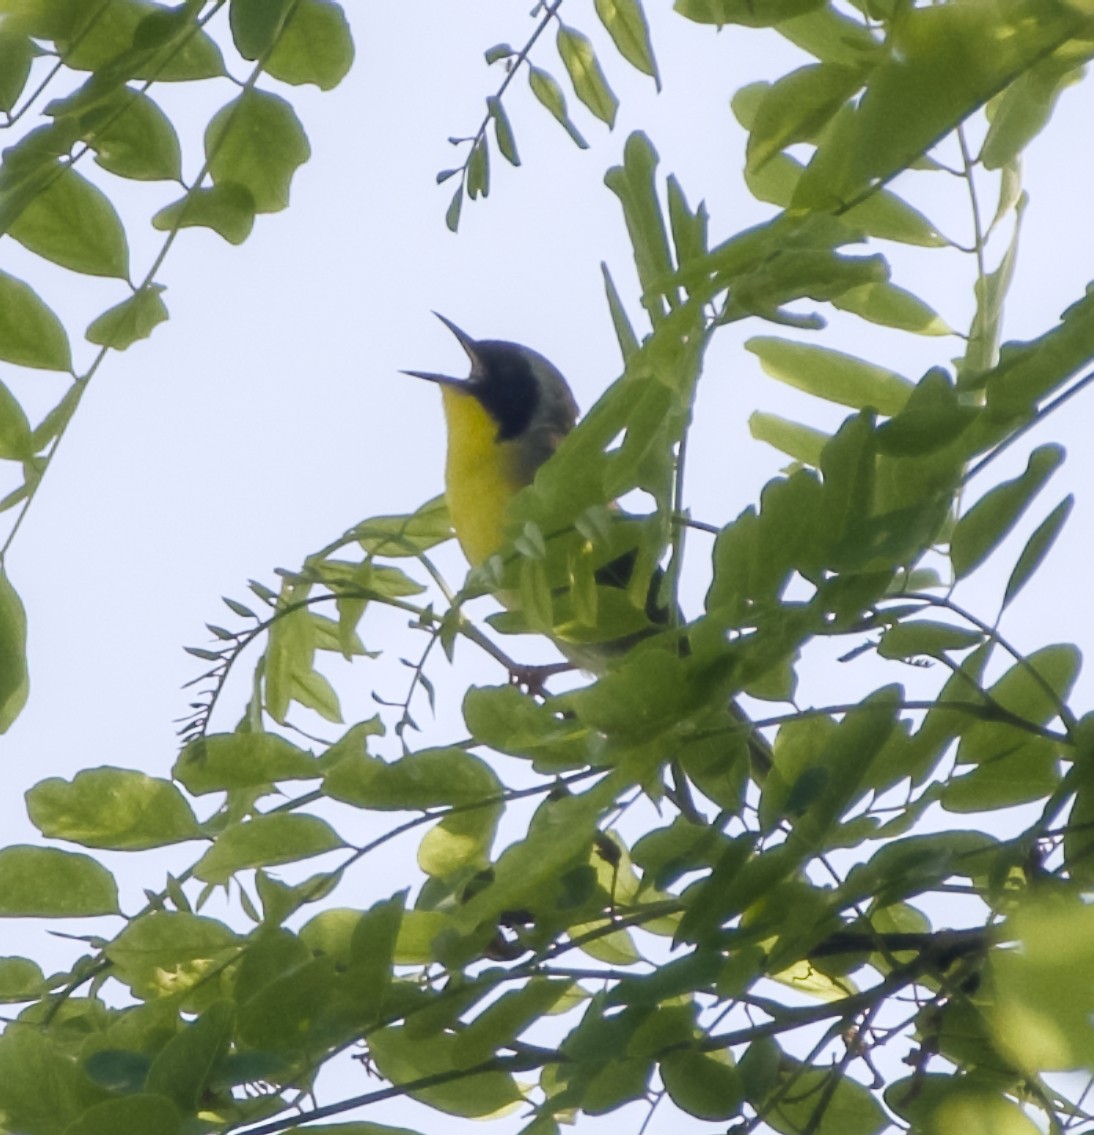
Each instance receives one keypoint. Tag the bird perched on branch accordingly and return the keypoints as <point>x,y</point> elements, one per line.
<point>504,420</point>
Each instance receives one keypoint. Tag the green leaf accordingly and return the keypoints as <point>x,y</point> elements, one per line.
<point>1024,771</point>
<point>626,24</point>
<point>1024,108</point>
<point>945,61</point>
<point>536,606</point>
<point>883,214</point>
<point>477,180</point>
<point>797,107</point>
<point>30,334</point>
<point>634,183</point>
<point>315,45</point>
<point>1043,1004</point>
<point>926,638</point>
<point>1037,547</point>
<point>186,1065</point>
<point>511,722</point>
<point>986,524</point>
<point>132,137</point>
<point>624,332</point>
<point>120,809</point>
<point>832,36</point>
<point>559,836</point>
<point>15,436</point>
<point>832,375</point>
<point>452,213</point>
<point>372,953</point>
<point>1029,371</point>
<point>20,980</point>
<point>884,303</point>
<point>849,1108</point>
<point>503,130</point>
<point>402,1057</point>
<point>42,882</point>
<point>225,761</point>
<point>129,1115</point>
<point>689,227</point>
<point>14,680</point>
<point>934,416</point>
<point>132,319</point>
<point>290,660</point>
<point>501,1023</point>
<point>291,1009</point>
<point>16,55</point>
<point>461,840</point>
<point>72,223</point>
<point>255,24</point>
<point>138,39</point>
<point>991,291</point>
<point>586,75</point>
<point>1033,689</point>
<point>803,443</point>
<point>228,209</point>
<point>394,536</point>
<point>168,953</point>
<point>257,141</point>
<point>427,779</point>
<point>545,87</point>
<point>704,1084</point>
<point>750,13</point>
<point>263,841</point>
<point>822,769</point>
<point>29,1059</point>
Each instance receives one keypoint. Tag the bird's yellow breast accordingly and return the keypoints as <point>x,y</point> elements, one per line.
<point>481,475</point>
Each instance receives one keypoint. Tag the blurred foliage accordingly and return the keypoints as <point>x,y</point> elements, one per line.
<point>763,950</point>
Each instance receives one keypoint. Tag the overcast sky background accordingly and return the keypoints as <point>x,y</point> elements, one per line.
<point>268,416</point>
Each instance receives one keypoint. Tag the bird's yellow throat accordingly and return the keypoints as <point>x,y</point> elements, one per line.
<point>481,475</point>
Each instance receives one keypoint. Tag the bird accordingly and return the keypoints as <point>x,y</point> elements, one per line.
<point>504,420</point>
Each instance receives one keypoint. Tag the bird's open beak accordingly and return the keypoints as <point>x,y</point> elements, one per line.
<point>429,376</point>
<point>465,341</point>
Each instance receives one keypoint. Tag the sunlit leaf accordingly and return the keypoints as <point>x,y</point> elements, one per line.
<point>257,141</point>
<point>43,882</point>
<point>314,47</point>
<point>264,841</point>
<point>132,137</point>
<point>132,319</point>
<point>985,525</point>
<point>626,24</point>
<point>586,75</point>
<point>74,224</point>
<point>121,809</point>
<point>13,654</point>
<point>1037,547</point>
<point>227,209</point>
<point>545,87</point>
<point>832,375</point>
<point>750,13</point>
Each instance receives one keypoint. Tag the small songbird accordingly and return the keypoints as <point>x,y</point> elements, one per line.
<point>504,420</point>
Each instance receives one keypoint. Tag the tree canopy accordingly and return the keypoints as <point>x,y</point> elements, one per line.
<point>819,919</point>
